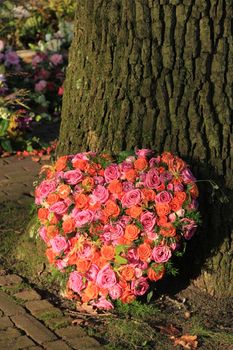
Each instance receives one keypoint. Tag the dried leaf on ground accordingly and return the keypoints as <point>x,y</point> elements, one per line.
<point>169,330</point>
<point>187,341</point>
<point>85,308</point>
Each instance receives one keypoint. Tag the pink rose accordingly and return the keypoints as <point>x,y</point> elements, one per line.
<point>43,234</point>
<point>140,286</point>
<point>46,187</point>
<point>40,86</point>
<point>73,177</point>
<point>178,188</point>
<point>58,244</point>
<point>99,180</point>
<point>83,217</point>
<point>127,186</point>
<point>59,208</point>
<point>132,256</point>
<point>125,166</point>
<point>60,264</point>
<point>106,278</point>
<point>85,251</point>
<point>124,220</point>
<point>148,221</point>
<point>189,227</point>
<point>103,303</point>
<point>76,282</point>
<point>56,59</point>
<point>187,176</point>
<point>100,194</point>
<point>131,198</point>
<point>112,233</point>
<point>193,204</point>
<point>36,60</point>
<point>143,153</point>
<point>161,253</point>
<point>11,57</point>
<point>115,292</point>
<point>152,179</point>
<point>154,161</point>
<point>165,177</point>
<point>111,173</point>
<point>152,235</point>
<point>92,272</point>
<point>163,197</point>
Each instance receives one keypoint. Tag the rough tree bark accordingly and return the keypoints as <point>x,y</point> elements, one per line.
<point>158,73</point>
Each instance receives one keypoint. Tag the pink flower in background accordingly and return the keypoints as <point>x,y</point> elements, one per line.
<point>76,282</point>
<point>40,86</point>
<point>161,253</point>
<point>106,278</point>
<point>11,57</point>
<point>58,244</point>
<point>56,59</point>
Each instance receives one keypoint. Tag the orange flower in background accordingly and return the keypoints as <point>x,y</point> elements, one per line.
<point>127,272</point>
<point>68,225</point>
<point>194,191</point>
<point>51,256</point>
<point>88,183</point>
<point>63,191</point>
<point>131,175</point>
<point>42,214</point>
<point>168,230</point>
<point>144,251</point>
<point>61,163</point>
<point>82,265</point>
<point>140,164</point>
<point>52,198</point>
<point>108,252</point>
<point>115,186</point>
<point>81,201</point>
<point>156,272</point>
<point>148,195</point>
<point>111,209</point>
<point>80,164</point>
<point>91,292</point>
<point>131,232</point>
<point>134,211</point>
<point>163,209</point>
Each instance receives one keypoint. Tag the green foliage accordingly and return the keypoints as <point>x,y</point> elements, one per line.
<point>136,309</point>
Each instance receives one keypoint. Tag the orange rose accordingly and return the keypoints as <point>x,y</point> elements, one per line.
<point>148,195</point>
<point>156,272</point>
<point>52,231</point>
<point>194,191</point>
<point>115,186</point>
<point>81,201</point>
<point>175,204</point>
<point>127,272</point>
<point>80,164</point>
<point>82,265</point>
<point>180,196</point>
<point>52,198</point>
<point>131,232</point>
<point>168,230</point>
<point>91,292</point>
<point>144,251</point>
<point>111,209</point>
<point>108,252</point>
<point>127,297</point>
<point>50,255</point>
<point>61,163</point>
<point>91,170</point>
<point>63,191</point>
<point>134,211</point>
<point>53,220</point>
<point>43,214</point>
<point>141,164</point>
<point>68,225</point>
<point>162,220</point>
<point>162,209</point>
<point>131,175</point>
<point>88,183</point>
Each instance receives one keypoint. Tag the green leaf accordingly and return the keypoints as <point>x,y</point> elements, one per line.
<point>6,145</point>
<point>123,155</point>
<point>4,123</point>
<point>119,260</point>
<point>120,248</point>
<point>149,296</point>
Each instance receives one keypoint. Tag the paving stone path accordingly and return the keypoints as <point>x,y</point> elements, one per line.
<point>27,321</point>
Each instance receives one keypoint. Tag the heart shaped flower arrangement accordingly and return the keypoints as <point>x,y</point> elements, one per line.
<point>112,226</point>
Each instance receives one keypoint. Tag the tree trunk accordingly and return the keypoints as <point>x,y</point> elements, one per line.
<point>158,74</point>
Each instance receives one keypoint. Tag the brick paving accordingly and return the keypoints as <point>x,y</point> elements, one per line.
<point>27,321</point>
